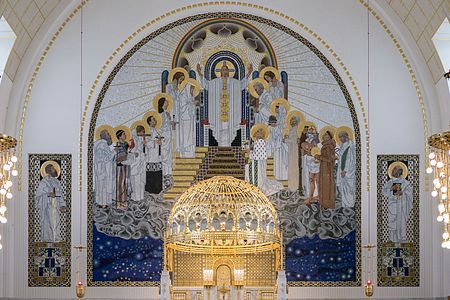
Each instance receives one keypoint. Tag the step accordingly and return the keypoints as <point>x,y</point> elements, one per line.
<point>176,190</point>
<point>224,159</point>
<point>184,172</point>
<point>224,154</point>
<point>188,160</point>
<point>197,155</point>
<point>181,167</point>
<point>184,184</point>
<point>234,165</point>
<point>183,178</point>
<point>212,169</point>
<point>238,176</point>
<point>201,149</point>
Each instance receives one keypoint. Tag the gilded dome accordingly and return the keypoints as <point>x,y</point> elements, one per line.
<point>223,212</point>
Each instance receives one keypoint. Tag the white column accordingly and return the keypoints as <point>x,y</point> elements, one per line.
<point>206,135</point>
<point>281,285</point>
<point>165,286</point>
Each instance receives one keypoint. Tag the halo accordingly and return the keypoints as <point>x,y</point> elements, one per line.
<point>258,126</point>
<point>351,134</point>
<point>55,165</point>
<point>294,113</point>
<point>162,95</point>
<point>271,69</point>
<point>279,102</point>
<point>315,151</point>
<point>175,71</point>
<point>100,129</point>
<point>322,131</point>
<point>303,124</point>
<point>286,131</point>
<point>157,117</point>
<point>251,86</point>
<point>398,164</point>
<point>229,65</point>
<point>192,82</point>
<point>142,123</point>
<point>121,127</point>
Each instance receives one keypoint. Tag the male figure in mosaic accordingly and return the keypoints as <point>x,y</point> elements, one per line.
<point>50,203</point>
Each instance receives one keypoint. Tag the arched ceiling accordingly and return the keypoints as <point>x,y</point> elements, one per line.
<point>421,17</point>
<point>25,18</point>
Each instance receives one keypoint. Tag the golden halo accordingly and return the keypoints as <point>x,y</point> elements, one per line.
<point>142,123</point>
<point>175,71</point>
<point>157,117</point>
<point>303,124</point>
<point>347,129</point>
<point>270,69</point>
<point>286,131</point>
<point>101,128</point>
<point>251,86</point>
<point>398,164</point>
<point>258,126</point>
<point>162,95</point>
<point>192,82</point>
<point>279,102</point>
<point>294,113</point>
<point>230,67</point>
<point>124,128</point>
<point>322,131</point>
<point>55,165</point>
<point>315,151</point>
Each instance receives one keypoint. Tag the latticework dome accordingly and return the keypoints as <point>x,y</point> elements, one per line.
<point>223,215</point>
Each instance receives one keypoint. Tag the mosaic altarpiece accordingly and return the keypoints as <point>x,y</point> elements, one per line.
<point>49,223</point>
<point>398,220</point>
<point>224,94</point>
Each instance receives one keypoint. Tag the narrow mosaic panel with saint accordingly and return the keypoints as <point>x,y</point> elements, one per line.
<point>49,221</point>
<point>398,220</point>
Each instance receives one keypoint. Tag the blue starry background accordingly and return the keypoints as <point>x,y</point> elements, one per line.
<point>116,259</point>
<point>314,259</point>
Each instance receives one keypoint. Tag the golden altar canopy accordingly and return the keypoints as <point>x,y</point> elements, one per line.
<point>223,221</point>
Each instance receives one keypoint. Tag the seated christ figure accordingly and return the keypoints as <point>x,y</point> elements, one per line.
<point>224,103</point>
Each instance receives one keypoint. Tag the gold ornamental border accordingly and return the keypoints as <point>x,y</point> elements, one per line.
<point>226,15</point>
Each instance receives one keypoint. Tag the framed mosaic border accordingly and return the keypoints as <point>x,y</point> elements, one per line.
<point>45,258</point>
<point>389,253</point>
<point>225,15</point>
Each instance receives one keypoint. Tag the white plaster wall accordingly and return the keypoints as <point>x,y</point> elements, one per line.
<point>53,119</point>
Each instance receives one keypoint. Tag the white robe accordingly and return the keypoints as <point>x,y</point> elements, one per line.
<point>224,132</point>
<point>293,169</point>
<point>152,147</point>
<point>279,150</point>
<point>49,209</point>
<point>399,208</point>
<point>263,108</point>
<point>184,111</point>
<point>137,174</point>
<point>346,184</point>
<point>276,91</point>
<point>104,172</point>
<point>259,154</point>
<point>166,144</point>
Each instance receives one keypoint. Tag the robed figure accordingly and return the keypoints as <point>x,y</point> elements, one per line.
<point>50,203</point>
<point>154,174</point>
<point>399,192</point>
<point>137,173</point>
<point>224,103</point>
<point>327,194</point>
<point>277,148</point>
<point>346,170</point>
<point>182,92</point>
<point>104,170</point>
